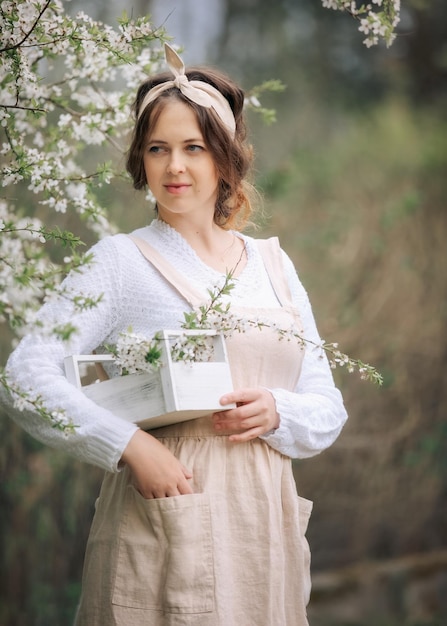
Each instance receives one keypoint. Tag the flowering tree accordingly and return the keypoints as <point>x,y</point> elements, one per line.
<point>58,97</point>
<point>66,84</point>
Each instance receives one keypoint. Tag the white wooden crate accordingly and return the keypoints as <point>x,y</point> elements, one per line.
<point>176,392</point>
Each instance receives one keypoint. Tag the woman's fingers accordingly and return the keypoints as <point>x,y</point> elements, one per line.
<point>255,413</point>
<point>156,472</point>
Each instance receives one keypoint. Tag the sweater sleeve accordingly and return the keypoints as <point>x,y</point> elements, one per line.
<point>37,366</point>
<point>312,416</point>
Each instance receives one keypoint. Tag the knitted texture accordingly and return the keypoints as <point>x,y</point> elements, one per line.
<point>135,295</point>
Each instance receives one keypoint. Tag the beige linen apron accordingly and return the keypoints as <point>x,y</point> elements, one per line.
<point>234,552</point>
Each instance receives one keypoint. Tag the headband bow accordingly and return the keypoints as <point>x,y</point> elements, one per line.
<point>197,91</point>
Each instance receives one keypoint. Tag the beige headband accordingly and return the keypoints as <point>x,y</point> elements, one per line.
<point>195,90</point>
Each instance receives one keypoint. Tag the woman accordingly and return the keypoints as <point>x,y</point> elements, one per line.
<point>199,522</point>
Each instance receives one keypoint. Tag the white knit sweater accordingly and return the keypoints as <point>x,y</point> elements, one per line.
<point>136,295</point>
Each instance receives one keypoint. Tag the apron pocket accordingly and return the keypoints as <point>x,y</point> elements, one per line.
<point>305,509</point>
<point>165,554</point>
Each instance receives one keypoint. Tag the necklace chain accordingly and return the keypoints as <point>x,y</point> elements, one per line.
<point>228,249</point>
<point>243,251</point>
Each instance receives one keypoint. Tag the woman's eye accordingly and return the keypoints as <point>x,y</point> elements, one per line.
<point>194,148</point>
<point>154,149</point>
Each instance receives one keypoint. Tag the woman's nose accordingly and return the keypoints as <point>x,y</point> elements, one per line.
<point>176,164</point>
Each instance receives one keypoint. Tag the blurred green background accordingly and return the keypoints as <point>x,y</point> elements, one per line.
<point>353,176</point>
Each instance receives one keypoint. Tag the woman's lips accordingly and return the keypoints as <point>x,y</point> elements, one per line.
<point>176,188</point>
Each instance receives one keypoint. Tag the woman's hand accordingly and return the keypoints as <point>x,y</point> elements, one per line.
<point>156,472</point>
<point>255,414</point>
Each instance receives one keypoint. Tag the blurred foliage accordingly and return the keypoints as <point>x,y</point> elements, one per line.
<point>360,206</point>
<point>46,506</point>
<point>313,49</point>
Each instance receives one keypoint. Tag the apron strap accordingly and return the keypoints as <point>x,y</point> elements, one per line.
<point>272,256</point>
<point>191,295</point>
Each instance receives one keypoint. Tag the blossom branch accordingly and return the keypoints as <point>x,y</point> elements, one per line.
<point>377,19</point>
<point>137,354</point>
<point>26,400</point>
<point>20,43</point>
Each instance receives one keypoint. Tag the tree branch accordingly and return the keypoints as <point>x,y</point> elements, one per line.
<point>16,106</point>
<point>18,44</point>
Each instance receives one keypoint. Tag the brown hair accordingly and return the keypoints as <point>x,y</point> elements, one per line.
<point>232,156</point>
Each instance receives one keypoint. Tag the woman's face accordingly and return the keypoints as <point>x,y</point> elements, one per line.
<point>179,169</point>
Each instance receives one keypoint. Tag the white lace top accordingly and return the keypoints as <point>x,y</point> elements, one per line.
<point>311,418</point>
